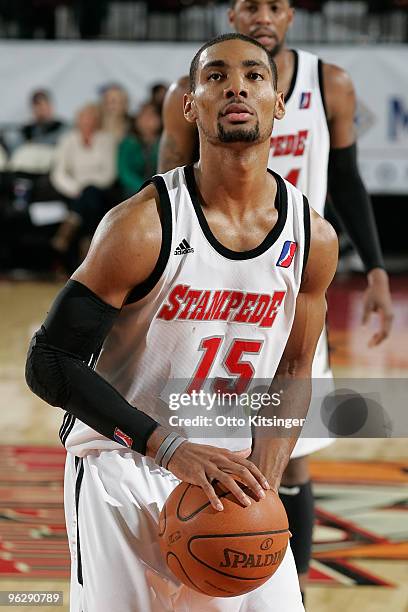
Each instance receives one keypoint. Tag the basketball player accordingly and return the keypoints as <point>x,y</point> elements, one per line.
<point>315,139</point>
<point>252,279</point>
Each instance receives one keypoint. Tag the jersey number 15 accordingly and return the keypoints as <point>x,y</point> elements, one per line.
<point>242,371</point>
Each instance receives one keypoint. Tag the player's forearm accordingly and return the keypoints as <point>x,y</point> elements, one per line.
<point>273,444</point>
<point>155,440</point>
<point>378,276</point>
<point>83,393</point>
<point>353,205</point>
<point>57,368</point>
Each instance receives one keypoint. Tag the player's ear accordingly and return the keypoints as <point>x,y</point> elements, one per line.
<point>279,106</point>
<point>291,16</point>
<point>231,16</point>
<point>189,108</point>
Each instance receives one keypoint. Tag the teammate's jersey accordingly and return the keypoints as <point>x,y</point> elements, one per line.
<point>300,141</point>
<point>205,313</point>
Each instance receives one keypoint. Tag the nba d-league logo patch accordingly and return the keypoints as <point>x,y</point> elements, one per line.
<point>122,438</point>
<point>286,256</point>
<point>305,99</point>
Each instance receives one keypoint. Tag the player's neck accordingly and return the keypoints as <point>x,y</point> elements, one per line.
<point>231,178</point>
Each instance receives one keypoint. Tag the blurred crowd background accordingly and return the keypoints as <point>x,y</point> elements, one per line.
<point>324,21</point>
<point>58,177</point>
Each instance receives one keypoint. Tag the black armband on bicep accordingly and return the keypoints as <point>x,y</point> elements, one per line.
<point>353,205</point>
<point>58,367</point>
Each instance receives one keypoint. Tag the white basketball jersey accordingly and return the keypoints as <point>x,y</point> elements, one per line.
<point>207,313</point>
<point>300,141</point>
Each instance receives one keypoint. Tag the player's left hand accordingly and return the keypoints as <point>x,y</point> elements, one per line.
<point>377,299</point>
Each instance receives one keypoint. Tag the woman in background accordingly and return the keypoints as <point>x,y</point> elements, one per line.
<point>115,111</point>
<point>84,169</point>
<point>138,152</point>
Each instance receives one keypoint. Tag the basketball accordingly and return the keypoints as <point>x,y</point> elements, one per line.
<point>222,554</point>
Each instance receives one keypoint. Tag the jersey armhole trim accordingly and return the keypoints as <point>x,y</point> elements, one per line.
<point>144,288</point>
<point>321,87</point>
<point>294,76</point>
<point>306,224</point>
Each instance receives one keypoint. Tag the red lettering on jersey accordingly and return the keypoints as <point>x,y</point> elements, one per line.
<point>300,149</point>
<point>234,366</point>
<point>280,146</point>
<point>218,301</point>
<point>184,304</point>
<point>199,310</point>
<point>170,310</point>
<point>191,297</point>
<point>293,176</point>
<point>234,301</point>
<point>260,308</point>
<point>289,144</point>
<point>246,308</point>
<point>272,311</point>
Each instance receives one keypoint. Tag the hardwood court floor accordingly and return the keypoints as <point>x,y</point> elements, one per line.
<point>24,419</point>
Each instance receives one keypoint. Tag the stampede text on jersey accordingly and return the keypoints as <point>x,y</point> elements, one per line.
<point>184,303</point>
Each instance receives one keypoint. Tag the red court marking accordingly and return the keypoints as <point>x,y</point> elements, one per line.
<point>32,529</point>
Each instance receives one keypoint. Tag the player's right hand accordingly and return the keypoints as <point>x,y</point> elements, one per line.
<point>200,464</point>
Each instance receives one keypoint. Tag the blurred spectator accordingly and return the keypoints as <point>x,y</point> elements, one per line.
<point>115,111</point>
<point>32,148</point>
<point>158,92</point>
<point>45,127</point>
<point>310,5</point>
<point>85,167</point>
<point>138,152</point>
<point>403,6</point>
<point>33,15</point>
<point>3,158</point>
<point>3,143</point>
<point>90,15</point>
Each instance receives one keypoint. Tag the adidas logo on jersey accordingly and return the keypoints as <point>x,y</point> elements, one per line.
<point>183,248</point>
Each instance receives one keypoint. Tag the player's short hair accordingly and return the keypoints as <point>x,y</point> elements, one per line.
<point>222,38</point>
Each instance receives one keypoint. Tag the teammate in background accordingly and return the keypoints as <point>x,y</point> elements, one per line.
<point>314,141</point>
<point>154,306</point>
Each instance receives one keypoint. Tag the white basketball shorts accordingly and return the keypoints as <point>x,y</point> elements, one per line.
<point>322,383</point>
<point>113,499</point>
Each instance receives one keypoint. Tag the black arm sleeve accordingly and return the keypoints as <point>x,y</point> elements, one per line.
<point>57,367</point>
<point>353,205</point>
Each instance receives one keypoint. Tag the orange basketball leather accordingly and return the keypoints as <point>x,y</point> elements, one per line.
<point>222,554</point>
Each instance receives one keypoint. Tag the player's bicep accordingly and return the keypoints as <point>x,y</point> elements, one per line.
<point>124,250</point>
<point>341,106</point>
